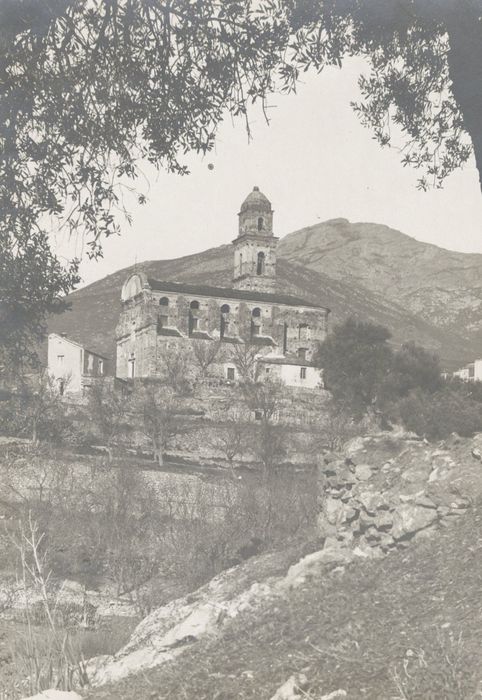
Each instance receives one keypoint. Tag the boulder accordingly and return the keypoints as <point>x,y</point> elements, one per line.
<point>372,501</point>
<point>363,472</point>
<point>314,564</point>
<point>55,695</point>
<point>424,501</point>
<point>293,689</point>
<point>409,518</point>
<point>384,521</point>
<point>335,695</point>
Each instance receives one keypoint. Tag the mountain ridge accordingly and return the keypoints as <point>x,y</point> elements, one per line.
<point>418,290</point>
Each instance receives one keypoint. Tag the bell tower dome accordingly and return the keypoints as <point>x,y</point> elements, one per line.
<point>255,246</point>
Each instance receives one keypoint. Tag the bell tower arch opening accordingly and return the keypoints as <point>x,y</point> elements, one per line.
<point>255,245</point>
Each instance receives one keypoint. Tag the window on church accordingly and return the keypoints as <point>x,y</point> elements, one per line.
<point>260,223</point>
<point>101,367</point>
<point>260,264</point>
<point>193,317</point>
<point>164,301</point>
<point>224,324</point>
<point>303,331</point>
<point>60,359</point>
<point>302,353</point>
<point>302,372</point>
<point>131,366</point>
<point>240,263</point>
<point>230,374</point>
<point>255,322</point>
<point>285,338</point>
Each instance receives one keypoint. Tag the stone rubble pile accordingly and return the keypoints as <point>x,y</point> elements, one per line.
<point>377,506</point>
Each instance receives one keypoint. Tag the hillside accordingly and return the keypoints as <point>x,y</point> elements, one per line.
<point>418,290</point>
<point>441,286</point>
<point>344,617</point>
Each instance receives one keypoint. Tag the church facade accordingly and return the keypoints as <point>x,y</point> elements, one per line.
<point>159,317</point>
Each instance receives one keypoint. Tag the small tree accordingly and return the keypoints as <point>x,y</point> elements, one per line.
<point>108,409</point>
<point>177,369</point>
<point>232,437</point>
<point>413,367</point>
<point>158,406</point>
<point>34,409</point>
<point>206,353</point>
<point>245,358</point>
<point>269,440</point>
<point>356,360</point>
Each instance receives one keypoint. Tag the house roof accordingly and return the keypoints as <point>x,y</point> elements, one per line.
<point>285,360</point>
<point>230,293</point>
<point>79,345</point>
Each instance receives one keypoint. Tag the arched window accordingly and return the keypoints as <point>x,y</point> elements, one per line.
<point>260,223</point>
<point>224,328</point>
<point>193,317</point>
<point>303,331</point>
<point>260,264</point>
<point>255,322</point>
<point>240,263</point>
<point>163,318</point>
<point>302,352</point>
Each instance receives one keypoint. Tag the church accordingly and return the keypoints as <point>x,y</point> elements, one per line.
<point>159,317</point>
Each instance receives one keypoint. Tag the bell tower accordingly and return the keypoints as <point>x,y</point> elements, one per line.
<point>255,246</point>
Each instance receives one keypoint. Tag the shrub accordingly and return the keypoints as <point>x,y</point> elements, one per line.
<point>436,416</point>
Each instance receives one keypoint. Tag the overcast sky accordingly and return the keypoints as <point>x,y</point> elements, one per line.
<point>314,162</point>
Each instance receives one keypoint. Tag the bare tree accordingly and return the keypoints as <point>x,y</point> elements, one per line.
<point>232,437</point>
<point>206,353</point>
<point>270,441</point>
<point>161,420</point>
<point>177,369</point>
<point>245,358</point>
<point>108,409</point>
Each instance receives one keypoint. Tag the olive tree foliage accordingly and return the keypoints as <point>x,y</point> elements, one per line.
<point>91,89</point>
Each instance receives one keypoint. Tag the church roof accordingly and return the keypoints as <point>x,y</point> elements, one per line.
<point>256,200</point>
<point>229,293</point>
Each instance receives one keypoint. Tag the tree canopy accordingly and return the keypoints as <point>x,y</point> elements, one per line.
<point>91,90</point>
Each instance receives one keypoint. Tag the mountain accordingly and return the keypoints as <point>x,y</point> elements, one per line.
<point>417,290</point>
<point>440,286</point>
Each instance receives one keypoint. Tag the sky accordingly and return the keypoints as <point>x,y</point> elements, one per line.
<point>314,161</point>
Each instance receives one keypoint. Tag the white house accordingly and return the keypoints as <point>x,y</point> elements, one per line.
<point>471,372</point>
<point>73,366</point>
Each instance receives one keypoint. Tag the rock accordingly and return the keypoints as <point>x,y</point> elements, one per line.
<point>293,689</point>
<point>384,521</point>
<point>333,510</point>
<point>476,454</point>
<point>55,695</point>
<point>460,504</point>
<point>372,501</point>
<point>424,501</point>
<point>409,518</point>
<point>335,695</point>
<point>354,445</point>
<point>416,474</point>
<point>317,562</point>
<point>363,472</point>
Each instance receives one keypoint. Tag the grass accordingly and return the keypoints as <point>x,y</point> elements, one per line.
<point>407,627</point>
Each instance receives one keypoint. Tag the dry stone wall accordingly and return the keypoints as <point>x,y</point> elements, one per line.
<point>385,490</point>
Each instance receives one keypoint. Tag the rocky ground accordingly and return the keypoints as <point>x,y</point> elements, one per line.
<point>388,608</point>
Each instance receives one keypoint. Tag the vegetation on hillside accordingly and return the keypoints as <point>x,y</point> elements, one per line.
<point>366,375</point>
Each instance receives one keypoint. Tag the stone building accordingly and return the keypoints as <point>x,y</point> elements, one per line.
<point>159,317</point>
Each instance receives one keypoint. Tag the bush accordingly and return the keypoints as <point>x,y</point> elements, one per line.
<point>436,416</point>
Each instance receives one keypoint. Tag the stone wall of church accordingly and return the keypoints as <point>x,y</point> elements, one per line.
<point>153,320</point>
